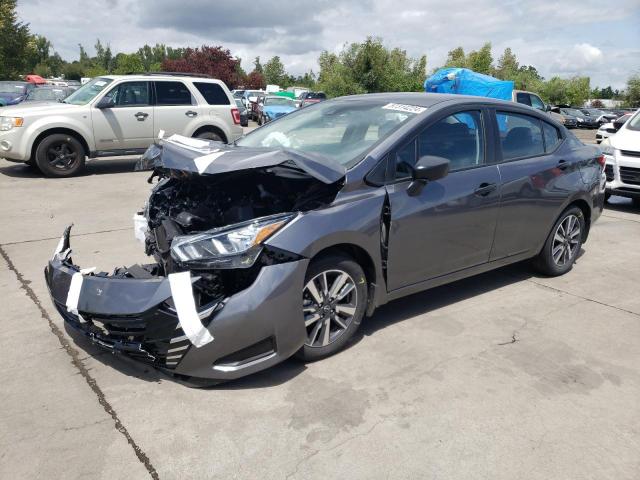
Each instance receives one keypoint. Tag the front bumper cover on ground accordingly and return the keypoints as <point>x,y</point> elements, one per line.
<point>252,329</point>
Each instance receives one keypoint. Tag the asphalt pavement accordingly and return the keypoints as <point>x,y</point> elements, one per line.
<point>505,375</point>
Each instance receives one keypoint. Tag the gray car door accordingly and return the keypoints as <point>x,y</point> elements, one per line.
<point>450,224</point>
<point>536,180</point>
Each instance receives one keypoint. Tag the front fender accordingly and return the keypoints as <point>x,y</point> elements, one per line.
<point>41,125</point>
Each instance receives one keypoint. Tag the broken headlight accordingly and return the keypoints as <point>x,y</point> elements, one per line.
<point>235,246</point>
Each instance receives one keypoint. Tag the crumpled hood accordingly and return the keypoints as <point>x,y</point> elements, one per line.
<point>209,158</point>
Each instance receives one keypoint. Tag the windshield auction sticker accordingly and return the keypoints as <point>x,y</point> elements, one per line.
<point>399,107</point>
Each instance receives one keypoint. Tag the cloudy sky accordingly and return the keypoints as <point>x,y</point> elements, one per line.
<point>586,37</point>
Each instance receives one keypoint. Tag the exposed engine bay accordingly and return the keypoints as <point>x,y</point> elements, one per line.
<point>185,204</point>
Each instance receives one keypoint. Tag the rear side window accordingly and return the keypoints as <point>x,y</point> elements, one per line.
<point>172,93</point>
<point>212,93</point>
<point>551,136</point>
<point>520,135</point>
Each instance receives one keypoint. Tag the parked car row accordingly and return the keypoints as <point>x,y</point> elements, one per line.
<point>15,92</point>
<point>254,101</point>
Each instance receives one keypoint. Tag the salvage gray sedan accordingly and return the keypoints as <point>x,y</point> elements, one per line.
<point>283,243</point>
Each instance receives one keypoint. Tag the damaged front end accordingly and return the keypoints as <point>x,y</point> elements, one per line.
<point>218,302</point>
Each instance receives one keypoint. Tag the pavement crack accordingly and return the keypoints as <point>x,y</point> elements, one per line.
<point>604,304</point>
<point>58,236</point>
<point>77,362</point>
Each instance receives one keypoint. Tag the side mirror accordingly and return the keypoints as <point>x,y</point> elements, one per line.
<point>106,102</point>
<point>428,169</point>
<point>547,107</point>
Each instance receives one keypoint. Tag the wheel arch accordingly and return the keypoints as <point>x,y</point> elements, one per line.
<point>65,131</point>
<point>213,129</point>
<point>362,257</point>
<point>586,211</point>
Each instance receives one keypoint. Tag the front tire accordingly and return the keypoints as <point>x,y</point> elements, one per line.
<point>563,244</point>
<point>334,301</point>
<point>60,155</point>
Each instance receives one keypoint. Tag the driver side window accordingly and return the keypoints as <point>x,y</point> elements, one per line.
<point>130,94</point>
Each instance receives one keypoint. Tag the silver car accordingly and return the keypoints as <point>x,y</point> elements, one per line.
<point>116,115</point>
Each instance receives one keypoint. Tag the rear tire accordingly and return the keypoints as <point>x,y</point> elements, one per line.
<point>60,155</point>
<point>635,202</point>
<point>334,301</point>
<point>562,245</point>
<point>214,137</point>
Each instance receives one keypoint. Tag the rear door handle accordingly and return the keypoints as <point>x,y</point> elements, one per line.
<point>141,116</point>
<point>562,164</point>
<point>191,113</point>
<point>485,189</point>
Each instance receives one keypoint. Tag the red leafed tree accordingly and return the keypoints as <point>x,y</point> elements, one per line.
<point>216,62</point>
<point>254,81</point>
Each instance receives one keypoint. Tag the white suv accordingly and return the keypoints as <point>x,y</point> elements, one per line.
<point>116,115</point>
<point>622,156</point>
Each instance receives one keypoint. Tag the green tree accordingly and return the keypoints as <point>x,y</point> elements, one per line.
<point>128,63</point>
<point>104,57</point>
<point>274,72</point>
<point>84,57</point>
<point>456,58</point>
<point>257,66</point>
<point>507,65</point>
<point>632,93</point>
<point>481,61</point>
<point>15,49</point>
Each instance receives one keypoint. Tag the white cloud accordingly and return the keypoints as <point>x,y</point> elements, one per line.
<point>559,38</point>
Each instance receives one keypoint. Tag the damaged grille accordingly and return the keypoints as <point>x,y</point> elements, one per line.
<point>155,338</point>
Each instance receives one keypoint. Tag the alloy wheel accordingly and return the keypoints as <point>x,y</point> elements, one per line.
<point>61,155</point>
<point>566,241</point>
<point>330,300</point>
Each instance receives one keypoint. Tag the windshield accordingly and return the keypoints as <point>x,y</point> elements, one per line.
<point>344,130</point>
<point>279,101</point>
<point>12,87</point>
<point>88,91</point>
<point>573,111</point>
<point>634,122</point>
<point>46,94</point>
<point>592,112</point>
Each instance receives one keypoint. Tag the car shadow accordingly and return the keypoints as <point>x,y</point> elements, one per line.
<point>621,204</point>
<point>93,167</point>
<point>386,316</point>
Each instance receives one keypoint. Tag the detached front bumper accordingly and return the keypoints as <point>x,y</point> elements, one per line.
<point>252,329</point>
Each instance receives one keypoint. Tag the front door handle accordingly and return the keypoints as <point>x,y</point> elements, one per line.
<point>191,113</point>
<point>141,116</point>
<point>562,164</point>
<point>485,189</point>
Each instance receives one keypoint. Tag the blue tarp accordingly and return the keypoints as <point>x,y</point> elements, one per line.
<point>467,82</point>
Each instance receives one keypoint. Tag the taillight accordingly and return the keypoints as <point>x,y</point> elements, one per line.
<point>235,113</point>
<point>601,161</point>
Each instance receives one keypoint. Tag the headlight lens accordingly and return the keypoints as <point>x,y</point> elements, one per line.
<point>236,246</point>
<point>607,149</point>
<point>7,123</point>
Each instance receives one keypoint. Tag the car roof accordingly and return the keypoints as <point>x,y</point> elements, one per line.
<point>161,77</point>
<point>423,99</point>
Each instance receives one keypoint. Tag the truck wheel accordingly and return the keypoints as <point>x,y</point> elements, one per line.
<point>60,155</point>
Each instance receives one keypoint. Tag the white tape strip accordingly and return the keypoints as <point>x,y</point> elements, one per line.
<point>182,293</point>
<point>73,295</point>
<point>59,247</point>
<point>140,227</point>
<point>203,162</point>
